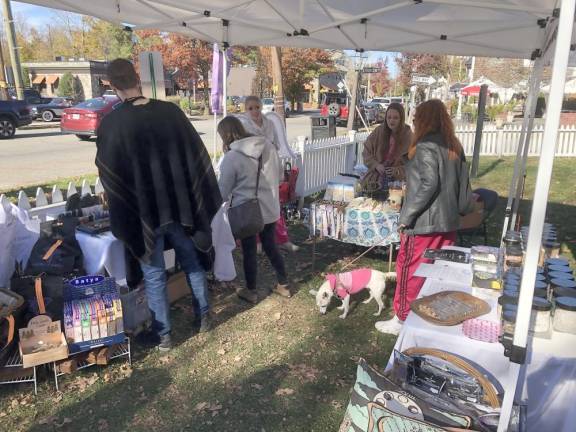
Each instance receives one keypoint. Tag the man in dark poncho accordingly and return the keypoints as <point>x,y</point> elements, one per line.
<point>160,186</point>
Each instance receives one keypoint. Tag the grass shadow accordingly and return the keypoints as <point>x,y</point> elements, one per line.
<point>488,169</point>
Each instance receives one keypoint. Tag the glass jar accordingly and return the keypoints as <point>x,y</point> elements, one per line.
<point>508,321</point>
<point>563,292</point>
<point>514,257</point>
<point>540,320</point>
<point>505,300</point>
<point>565,315</point>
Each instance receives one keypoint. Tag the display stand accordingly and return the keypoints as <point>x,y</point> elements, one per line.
<point>121,350</point>
<point>15,361</point>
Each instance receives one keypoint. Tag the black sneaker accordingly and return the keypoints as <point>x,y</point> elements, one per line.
<point>165,343</point>
<point>205,323</point>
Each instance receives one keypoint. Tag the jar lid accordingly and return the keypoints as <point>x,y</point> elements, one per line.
<point>567,303</point>
<point>509,315</point>
<point>540,304</point>
<point>508,300</point>
<point>511,295</point>
<point>565,283</point>
<point>560,275</point>
<point>514,272</point>
<point>540,277</point>
<point>540,285</point>
<point>560,268</point>
<point>512,287</point>
<point>557,261</point>
<point>510,307</point>
<point>564,292</point>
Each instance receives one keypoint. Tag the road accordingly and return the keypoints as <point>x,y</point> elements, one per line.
<point>42,155</point>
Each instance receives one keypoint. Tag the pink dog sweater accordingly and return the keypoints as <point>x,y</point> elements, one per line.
<point>349,283</point>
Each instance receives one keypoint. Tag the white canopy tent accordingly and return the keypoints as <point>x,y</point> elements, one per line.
<point>536,29</point>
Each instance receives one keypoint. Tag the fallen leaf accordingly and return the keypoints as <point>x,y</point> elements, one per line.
<point>257,386</point>
<point>336,404</point>
<point>221,351</point>
<point>237,358</point>
<point>277,315</point>
<point>201,406</point>
<point>284,392</point>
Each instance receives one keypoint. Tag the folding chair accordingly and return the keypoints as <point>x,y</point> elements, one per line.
<point>490,200</point>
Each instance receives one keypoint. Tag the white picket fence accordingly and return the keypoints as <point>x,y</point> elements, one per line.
<point>321,160</point>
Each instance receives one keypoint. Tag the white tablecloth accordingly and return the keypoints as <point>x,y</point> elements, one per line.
<point>549,384</point>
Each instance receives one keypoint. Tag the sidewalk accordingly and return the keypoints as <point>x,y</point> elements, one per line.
<point>41,125</point>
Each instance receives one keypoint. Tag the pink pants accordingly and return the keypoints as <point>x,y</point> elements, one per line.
<point>409,258</point>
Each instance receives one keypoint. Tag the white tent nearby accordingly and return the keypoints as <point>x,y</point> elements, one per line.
<point>531,29</point>
<point>569,87</point>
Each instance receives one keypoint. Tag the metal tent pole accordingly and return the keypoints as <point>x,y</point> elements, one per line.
<point>517,351</point>
<point>522,174</point>
<point>224,81</point>
<point>529,110</point>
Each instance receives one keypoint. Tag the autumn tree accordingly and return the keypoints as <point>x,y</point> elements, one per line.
<point>425,64</point>
<point>262,82</point>
<point>503,71</point>
<point>300,66</point>
<point>380,81</point>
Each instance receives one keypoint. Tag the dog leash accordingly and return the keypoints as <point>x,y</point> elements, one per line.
<point>362,254</point>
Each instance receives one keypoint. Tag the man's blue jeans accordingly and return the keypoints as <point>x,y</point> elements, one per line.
<point>155,276</point>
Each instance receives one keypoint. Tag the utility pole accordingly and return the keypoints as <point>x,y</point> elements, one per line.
<point>354,99</point>
<point>276,56</point>
<point>12,47</point>
<point>3,83</point>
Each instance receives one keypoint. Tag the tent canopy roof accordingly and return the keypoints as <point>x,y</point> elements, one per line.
<point>493,28</point>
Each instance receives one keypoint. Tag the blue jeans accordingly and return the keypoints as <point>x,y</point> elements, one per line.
<point>155,276</point>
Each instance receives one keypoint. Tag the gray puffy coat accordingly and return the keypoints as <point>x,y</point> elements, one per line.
<point>438,189</point>
<point>238,175</point>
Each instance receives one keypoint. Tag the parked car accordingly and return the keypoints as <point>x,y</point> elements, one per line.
<point>54,109</point>
<point>13,114</point>
<point>338,105</point>
<point>34,103</point>
<point>83,119</point>
<point>374,112</point>
<point>382,101</point>
<point>268,106</point>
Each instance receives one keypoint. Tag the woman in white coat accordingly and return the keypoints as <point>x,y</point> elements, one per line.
<point>238,179</point>
<point>257,124</point>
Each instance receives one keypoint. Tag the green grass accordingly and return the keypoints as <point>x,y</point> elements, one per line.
<point>276,366</point>
<point>62,183</point>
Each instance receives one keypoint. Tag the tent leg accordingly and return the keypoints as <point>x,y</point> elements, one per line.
<point>529,110</point>
<point>517,351</point>
<point>522,173</point>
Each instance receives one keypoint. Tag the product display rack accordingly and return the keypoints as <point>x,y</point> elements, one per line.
<point>15,361</point>
<point>121,350</point>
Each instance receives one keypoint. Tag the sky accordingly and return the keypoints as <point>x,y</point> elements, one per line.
<point>37,16</point>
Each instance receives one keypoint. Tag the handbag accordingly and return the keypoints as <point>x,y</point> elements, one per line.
<point>246,219</point>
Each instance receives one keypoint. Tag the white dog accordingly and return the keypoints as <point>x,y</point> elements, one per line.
<point>344,284</point>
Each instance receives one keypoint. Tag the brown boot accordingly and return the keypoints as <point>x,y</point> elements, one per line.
<point>247,295</point>
<point>282,290</point>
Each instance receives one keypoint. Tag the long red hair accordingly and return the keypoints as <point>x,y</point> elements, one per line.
<point>432,117</point>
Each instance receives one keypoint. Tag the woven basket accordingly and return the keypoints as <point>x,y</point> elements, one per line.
<point>436,307</point>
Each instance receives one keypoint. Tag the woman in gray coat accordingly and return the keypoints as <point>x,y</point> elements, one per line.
<point>238,176</point>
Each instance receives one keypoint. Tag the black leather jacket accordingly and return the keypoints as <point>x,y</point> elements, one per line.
<point>438,189</point>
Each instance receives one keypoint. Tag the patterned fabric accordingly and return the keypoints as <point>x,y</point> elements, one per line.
<point>482,330</point>
<point>368,228</point>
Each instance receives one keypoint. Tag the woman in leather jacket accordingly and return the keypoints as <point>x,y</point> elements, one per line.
<point>438,192</point>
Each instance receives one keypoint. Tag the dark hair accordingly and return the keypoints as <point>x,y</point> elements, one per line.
<point>230,130</point>
<point>432,116</point>
<point>122,75</point>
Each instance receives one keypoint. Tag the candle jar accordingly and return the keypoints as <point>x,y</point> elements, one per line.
<point>540,319</point>
<point>565,315</point>
<point>514,257</point>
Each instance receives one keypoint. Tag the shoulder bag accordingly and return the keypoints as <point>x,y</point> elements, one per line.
<point>246,219</point>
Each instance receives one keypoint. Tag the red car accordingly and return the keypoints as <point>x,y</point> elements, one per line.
<point>83,119</point>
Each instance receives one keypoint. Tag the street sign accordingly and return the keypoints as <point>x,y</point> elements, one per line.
<point>371,69</point>
<point>420,79</point>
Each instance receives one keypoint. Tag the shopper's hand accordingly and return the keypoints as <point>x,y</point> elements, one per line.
<point>401,228</point>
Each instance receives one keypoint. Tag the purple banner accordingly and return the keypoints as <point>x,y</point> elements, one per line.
<point>216,85</point>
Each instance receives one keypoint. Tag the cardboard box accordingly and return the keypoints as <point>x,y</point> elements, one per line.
<point>42,342</point>
<point>177,287</point>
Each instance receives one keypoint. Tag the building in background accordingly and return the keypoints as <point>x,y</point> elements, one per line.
<point>89,76</point>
